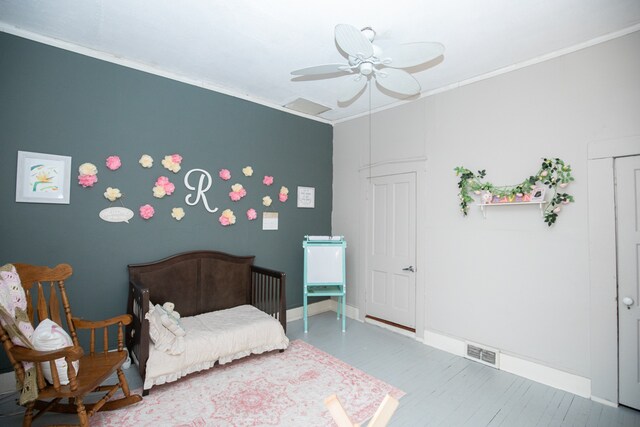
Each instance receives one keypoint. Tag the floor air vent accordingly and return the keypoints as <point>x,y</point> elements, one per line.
<point>487,356</point>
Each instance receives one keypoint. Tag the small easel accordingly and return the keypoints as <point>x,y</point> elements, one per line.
<point>380,418</point>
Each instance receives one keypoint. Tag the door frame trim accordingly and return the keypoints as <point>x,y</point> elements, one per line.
<point>603,263</point>
<point>395,167</point>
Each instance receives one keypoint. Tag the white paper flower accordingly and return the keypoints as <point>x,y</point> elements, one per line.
<point>177,213</point>
<point>146,161</point>
<point>247,171</point>
<point>284,190</point>
<point>88,169</point>
<point>266,200</point>
<point>159,192</point>
<point>112,194</point>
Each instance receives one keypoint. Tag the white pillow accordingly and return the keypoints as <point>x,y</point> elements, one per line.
<point>163,338</point>
<point>50,336</point>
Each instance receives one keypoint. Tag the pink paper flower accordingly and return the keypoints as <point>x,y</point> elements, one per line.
<point>176,158</point>
<point>225,174</point>
<point>283,197</point>
<point>251,214</point>
<point>237,192</point>
<point>227,218</point>
<point>164,183</point>
<point>169,188</point>
<point>87,180</point>
<point>147,211</point>
<point>267,180</point>
<point>113,162</point>
<point>224,221</point>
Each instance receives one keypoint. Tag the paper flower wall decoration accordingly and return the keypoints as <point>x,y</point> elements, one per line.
<point>266,200</point>
<point>177,213</point>
<point>147,211</point>
<point>267,180</point>
<point>112,194</point>
<point>227,218</point>
<point>172,162</point>
<point>251,214</point>
<point>247,171</point>
<point>224,174</point>
<point>88,174</point>
<point>113,162</point>
<point>146,161</point>
<point>163,187</point>
<point>284,194</point>
<point>237,192</point>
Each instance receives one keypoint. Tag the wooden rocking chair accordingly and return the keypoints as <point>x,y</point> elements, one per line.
<point>95,367</point>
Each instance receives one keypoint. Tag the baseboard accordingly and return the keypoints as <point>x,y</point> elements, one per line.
<point>312,309</point>
<point>322,307</point>
<point>390,327</point>
<point>525,368</point>
<point>604,401</point>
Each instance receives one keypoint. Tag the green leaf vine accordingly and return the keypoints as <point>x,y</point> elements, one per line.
<point>553,173</point>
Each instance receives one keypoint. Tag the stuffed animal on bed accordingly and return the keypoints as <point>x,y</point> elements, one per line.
<point>169,308</point>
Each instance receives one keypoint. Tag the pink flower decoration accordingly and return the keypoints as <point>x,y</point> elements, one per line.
<point>168,186</point>
<point>224,220</point>
<point>225,174</point>
<point>251,214</point>
<point>237,195</point>
<point>176,158</point>
<point>113,162</point>
<point>147,211</point>
<point>87,180</point>
<point>268,180</point>
<point>283,197</point>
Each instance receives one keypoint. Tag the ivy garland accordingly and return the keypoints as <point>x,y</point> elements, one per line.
<point>553,173</point>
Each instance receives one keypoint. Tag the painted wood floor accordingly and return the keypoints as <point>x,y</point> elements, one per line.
<point>442,389</point>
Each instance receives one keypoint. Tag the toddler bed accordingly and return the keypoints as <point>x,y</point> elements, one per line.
<point>229,309</point>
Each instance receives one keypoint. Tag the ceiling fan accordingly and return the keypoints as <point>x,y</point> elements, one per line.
<point>370,61</point>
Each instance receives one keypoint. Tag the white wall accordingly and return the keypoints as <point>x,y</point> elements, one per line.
<point>508,281</point>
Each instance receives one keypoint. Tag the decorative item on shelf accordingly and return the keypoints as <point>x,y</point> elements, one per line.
<point>553,173</point>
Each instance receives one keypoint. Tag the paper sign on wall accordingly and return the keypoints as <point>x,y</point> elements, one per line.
<point>270,220</point>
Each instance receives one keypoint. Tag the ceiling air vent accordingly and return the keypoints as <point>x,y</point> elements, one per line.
<point>484,355</point>
<point>307,107</point>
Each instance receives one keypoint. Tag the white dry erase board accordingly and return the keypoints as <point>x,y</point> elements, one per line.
<point>324,264</point>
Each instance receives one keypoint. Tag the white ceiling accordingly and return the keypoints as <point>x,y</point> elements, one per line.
<point>248,48</point>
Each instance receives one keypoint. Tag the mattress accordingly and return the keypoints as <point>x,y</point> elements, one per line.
<point>219,336</point>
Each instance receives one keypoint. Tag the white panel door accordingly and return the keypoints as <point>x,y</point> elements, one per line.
<point>391,284</point>
<point>628,238</point>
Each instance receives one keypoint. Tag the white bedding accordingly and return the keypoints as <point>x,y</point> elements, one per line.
<point>219,336</point>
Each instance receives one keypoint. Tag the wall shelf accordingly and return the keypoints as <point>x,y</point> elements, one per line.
<point>484,212</point>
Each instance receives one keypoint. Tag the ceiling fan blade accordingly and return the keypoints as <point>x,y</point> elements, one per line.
<point>412,54</point>
<point>352,41</point>
<point>351,88</point>
<point>321,69</point>
<point>398,81</point>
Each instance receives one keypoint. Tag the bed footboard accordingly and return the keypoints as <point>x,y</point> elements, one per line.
<point>137,332</point>
<point>268,293</point>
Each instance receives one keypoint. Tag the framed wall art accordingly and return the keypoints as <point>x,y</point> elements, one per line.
<point>43,178</point>
<point>306,197</point>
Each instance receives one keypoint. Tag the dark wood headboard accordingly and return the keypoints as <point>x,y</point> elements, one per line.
<point>199,282</point>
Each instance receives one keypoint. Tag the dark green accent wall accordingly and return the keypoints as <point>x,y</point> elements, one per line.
<point>58,102</point>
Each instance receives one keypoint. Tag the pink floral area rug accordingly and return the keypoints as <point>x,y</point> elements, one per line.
<point>274,389</point>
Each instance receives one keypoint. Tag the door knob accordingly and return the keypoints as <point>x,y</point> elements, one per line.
<point>628,301</point>
<point>410,268</point>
